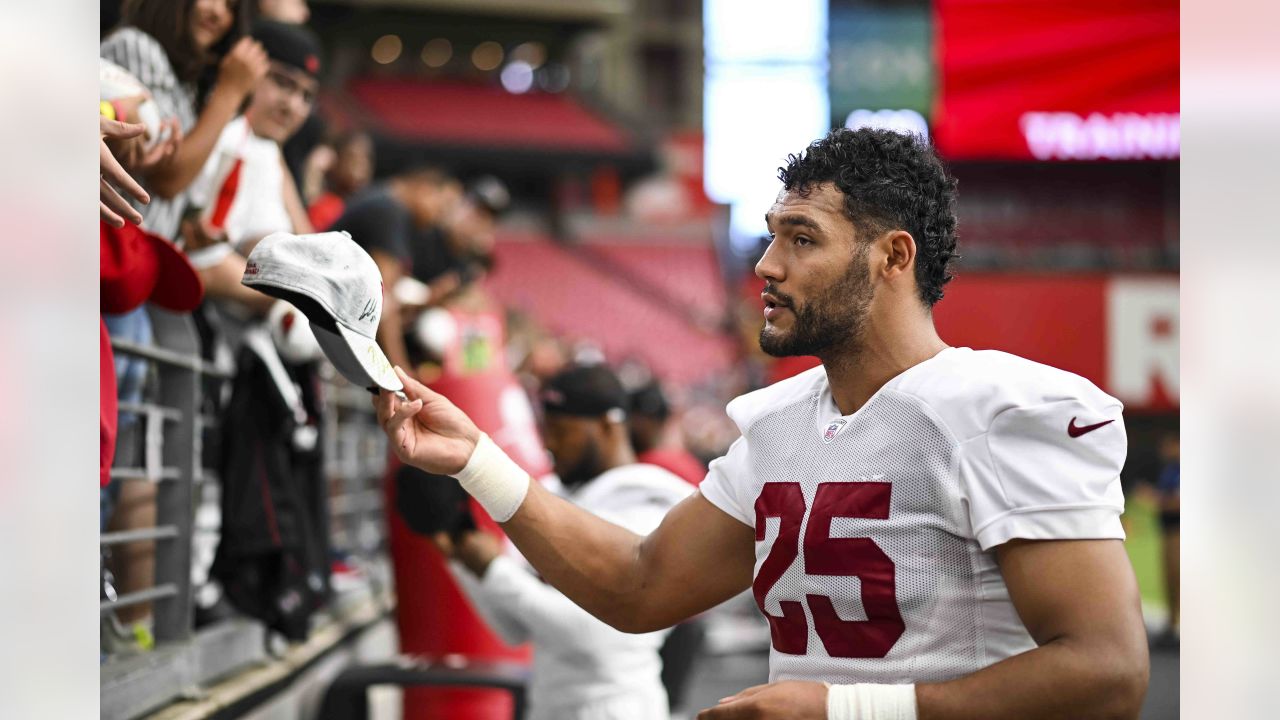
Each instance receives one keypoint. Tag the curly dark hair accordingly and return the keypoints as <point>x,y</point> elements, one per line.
<point>890,181</point>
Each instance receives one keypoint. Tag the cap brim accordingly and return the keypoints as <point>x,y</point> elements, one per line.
<point>178,287</point>
<point>358,358</point>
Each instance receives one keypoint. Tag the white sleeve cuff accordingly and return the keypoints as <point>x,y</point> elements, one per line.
<point>1070,523</point>
<point>717,495</point>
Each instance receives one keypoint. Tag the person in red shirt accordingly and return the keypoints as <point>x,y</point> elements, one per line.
<point>654,440</point>
<point>351,172</point>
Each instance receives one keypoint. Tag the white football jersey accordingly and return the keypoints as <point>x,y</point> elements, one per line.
<point>875,532</point>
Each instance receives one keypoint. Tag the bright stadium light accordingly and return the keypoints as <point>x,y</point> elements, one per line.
<point>386,49</point>
<point>517,77</point>
<point>764,96</point>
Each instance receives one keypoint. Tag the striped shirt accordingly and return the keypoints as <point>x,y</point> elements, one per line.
<point>145,59</point>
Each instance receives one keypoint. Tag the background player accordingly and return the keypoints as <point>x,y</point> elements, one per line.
<point>582,668</point>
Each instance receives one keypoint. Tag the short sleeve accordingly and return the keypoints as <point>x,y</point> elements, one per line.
<point>728,484</point>
<point>1047,472</point>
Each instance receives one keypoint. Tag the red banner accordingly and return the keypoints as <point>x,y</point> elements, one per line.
<point>1121,332</point>
<point>1050,79</point>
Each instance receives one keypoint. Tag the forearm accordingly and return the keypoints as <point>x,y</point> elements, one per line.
<point>222,281</point>
<point>173,176</point>
<point>595,563</point>
<point>1061,679</point>
<point>293,203</point>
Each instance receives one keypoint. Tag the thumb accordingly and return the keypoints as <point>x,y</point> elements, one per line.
<point>414,389</point>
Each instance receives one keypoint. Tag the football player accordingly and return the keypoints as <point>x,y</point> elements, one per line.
<point>931,531</point>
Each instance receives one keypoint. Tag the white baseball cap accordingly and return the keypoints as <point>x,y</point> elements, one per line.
<point>335,283</point>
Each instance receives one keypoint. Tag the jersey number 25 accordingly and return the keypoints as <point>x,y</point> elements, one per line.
<point>825,555</point>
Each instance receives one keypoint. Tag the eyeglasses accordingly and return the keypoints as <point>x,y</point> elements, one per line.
<point>291,86</point>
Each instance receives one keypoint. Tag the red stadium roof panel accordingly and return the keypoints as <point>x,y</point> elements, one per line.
<point>469,114</point>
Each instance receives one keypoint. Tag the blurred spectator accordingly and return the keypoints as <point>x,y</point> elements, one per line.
<point>244,191</point>
<point>136,267</point>
<point>243,194</point>
<point>454,253</point>
<point>582,668</point>
<point>166,44</point>
<point>349,171</point>
<point>308,138</point>
<point>1168,489</point>
<point>387,220</point>
<point>470,226</point>
<point>656,439</point>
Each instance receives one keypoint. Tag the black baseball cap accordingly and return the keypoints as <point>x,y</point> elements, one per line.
<point>585,391</point>
<point>648,400</point>
<point>293,45</point>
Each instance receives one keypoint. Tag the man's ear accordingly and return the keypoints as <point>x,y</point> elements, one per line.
<point>899,254</point>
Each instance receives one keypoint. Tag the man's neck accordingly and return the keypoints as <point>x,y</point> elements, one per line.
<point>881,354</point>
<point>618,455</point>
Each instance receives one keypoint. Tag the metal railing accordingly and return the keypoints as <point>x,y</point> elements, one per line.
<point>173,419</point>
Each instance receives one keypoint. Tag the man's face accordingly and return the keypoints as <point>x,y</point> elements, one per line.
<point>354,167</point>
<point>430,201</point>
<point>281,103</point>
<point>471,228</point>
<point>818,288</point>
<point>575,444</point>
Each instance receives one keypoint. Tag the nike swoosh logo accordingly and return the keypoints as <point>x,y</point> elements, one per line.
<point>1077,430</point>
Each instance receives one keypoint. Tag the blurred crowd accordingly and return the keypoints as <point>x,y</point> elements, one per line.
<point>210,135</point>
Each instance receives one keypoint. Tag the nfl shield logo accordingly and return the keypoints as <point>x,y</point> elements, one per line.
<point>833,429</point>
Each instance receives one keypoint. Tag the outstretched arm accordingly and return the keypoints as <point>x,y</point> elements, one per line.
<point>698,557</point>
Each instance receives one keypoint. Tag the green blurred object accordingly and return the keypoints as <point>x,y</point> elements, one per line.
<point>1142,525</point>
<point>881,58</point>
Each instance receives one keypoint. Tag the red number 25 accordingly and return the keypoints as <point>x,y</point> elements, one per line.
<point>825,555</point>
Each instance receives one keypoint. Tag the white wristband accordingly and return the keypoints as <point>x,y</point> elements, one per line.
<point>494,480</point>
<point>871,702</point>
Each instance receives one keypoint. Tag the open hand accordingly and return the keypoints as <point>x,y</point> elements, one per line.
<point>790,699</point>
<point>427,432</point>
<point>111,206</point>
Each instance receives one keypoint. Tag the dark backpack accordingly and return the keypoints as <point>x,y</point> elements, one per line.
<point>273,556</point>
